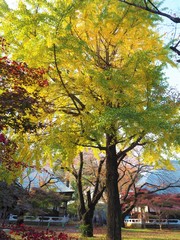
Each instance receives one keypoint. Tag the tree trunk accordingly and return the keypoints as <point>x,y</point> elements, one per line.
<point>123,220</point>
<point>113,203</point>
<point>87,226</point>
<point>143,220</point>
<point>20,218</point>
<point>4,215</point>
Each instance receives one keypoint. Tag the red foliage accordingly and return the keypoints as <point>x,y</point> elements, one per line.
<point>28,233</point>
<point>20,92</point>
<point>2,138</point>
<point>21,73</point>
<point>4,236</point>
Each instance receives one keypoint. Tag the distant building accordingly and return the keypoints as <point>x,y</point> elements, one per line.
<point>46,180</point>
<point>167,180</point>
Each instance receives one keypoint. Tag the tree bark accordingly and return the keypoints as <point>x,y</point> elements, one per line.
<point>123,222</point>
<point>87,227</point>
<point>20,218</point>
<point>113,203</point>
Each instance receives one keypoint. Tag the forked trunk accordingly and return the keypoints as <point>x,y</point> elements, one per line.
<point>113,208</point>
<point>87,226</point>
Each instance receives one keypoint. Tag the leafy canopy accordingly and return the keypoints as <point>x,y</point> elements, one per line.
<point>105,64</point>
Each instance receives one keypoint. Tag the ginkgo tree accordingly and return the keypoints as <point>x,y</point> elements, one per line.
<point>105,66</point>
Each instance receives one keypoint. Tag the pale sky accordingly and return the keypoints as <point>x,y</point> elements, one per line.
<point>173,6</point>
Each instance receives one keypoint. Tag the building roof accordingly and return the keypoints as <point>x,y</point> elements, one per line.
<point>167,180</point>
<point>46,178</point>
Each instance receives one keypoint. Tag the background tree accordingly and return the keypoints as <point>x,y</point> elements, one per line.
<point>38,201</point>
<point>131,170</point>
<point>9,195</point>
<point>21,100</point>
<point>161,206</point>
<point>118,56</point>
<point>89,177</point>
<point>138,180</point>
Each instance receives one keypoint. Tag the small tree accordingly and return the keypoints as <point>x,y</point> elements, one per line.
<point>90,183</point>
<point>9,195</point>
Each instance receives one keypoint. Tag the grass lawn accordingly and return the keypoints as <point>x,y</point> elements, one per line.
<point>138,234</point>
<point>154,234</point>
<point>127,234</point>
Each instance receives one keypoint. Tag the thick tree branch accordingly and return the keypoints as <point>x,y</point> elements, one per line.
<point>122,154</point>
<point>98,178</point>
<point>98,196</point>
<point>152,9</point>
<point>74,98</point>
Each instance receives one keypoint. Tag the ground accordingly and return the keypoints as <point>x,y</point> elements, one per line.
<point>73,232</point>
<point>128,234</point>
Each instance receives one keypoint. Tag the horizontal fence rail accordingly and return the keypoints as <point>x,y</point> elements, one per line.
<point>48,219</point>
<point>136,222</point>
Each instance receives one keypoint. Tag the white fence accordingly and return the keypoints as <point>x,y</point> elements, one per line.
<point>136,222</point>
<point>40,219</point>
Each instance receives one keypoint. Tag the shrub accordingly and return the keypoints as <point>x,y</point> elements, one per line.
<point>86,230</point>
<point>28,233</point>
<point>4,236</point>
